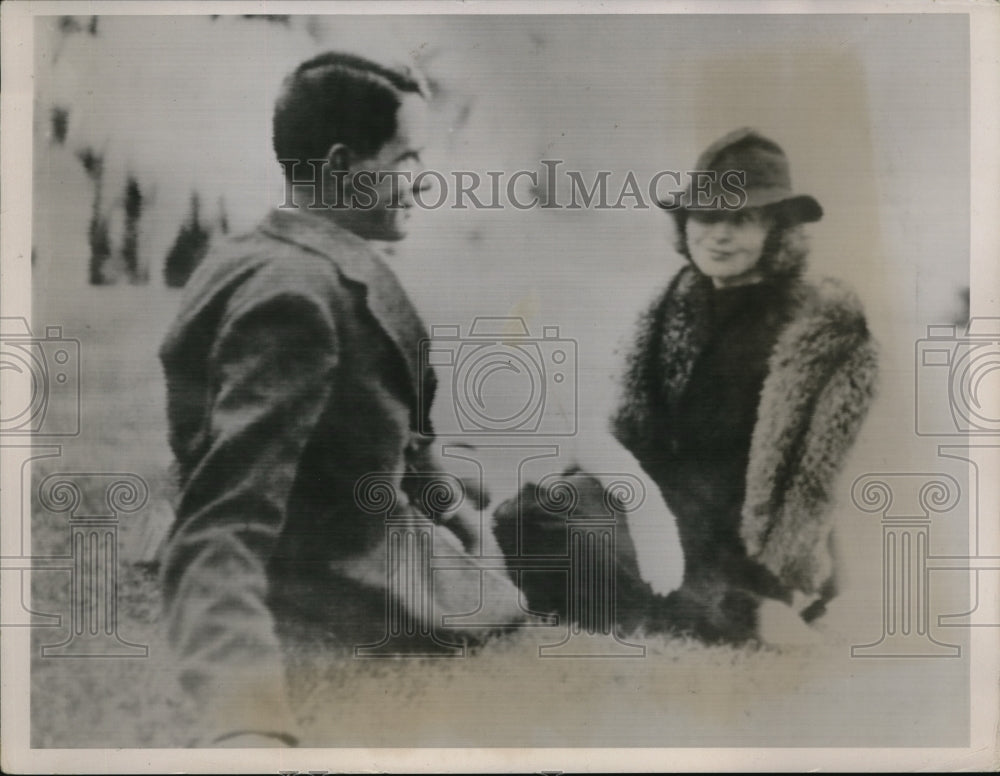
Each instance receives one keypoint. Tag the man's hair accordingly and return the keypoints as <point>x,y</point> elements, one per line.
<point>338,98</point>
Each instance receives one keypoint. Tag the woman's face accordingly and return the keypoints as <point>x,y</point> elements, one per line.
<point>726,245</point>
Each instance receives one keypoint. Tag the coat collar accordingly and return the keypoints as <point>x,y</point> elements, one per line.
<point>352,255</point>
<point>384,295</point>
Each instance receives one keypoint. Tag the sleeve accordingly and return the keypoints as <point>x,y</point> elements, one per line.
<point>797,547</point>
<point>272,369</point>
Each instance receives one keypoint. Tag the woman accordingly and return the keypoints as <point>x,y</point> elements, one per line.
<point>744,390</point>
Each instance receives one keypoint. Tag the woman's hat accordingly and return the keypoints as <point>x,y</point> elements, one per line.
<point>745,160</point>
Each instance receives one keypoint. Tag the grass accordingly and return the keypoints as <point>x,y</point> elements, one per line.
<point>680,694</point>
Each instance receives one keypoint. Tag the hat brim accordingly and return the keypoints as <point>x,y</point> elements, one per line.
<point>802,208</point>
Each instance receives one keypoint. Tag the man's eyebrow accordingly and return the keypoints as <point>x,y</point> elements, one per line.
<point>411,154</point>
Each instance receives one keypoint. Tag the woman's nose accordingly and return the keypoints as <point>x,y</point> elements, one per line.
<point>722,231</point>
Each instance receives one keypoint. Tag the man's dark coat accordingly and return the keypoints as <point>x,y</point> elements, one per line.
<point>291,373</point>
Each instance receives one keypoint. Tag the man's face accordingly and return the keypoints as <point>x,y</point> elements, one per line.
<point>384,214</point>
<point>726,245</point>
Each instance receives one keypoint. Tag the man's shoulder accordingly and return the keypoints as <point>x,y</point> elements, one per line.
<point>248,271</point>
<point>285,263</point>
<point>260,264</point>
<point>280,268</point>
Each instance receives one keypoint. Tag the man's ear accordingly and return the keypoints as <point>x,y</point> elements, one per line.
<point>339,158</point>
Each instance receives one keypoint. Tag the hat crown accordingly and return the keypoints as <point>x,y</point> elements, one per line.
<point>765,177</point>
<point>760,159</point>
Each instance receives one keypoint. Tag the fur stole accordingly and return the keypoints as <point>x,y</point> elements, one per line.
<point>820,382</point>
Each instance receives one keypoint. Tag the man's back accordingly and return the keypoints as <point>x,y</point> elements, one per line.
<point>290,375</point>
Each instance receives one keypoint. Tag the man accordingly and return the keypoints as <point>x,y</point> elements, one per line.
<point>292,373</point>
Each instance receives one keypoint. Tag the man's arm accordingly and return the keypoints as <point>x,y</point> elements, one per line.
<point>271,370</point>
